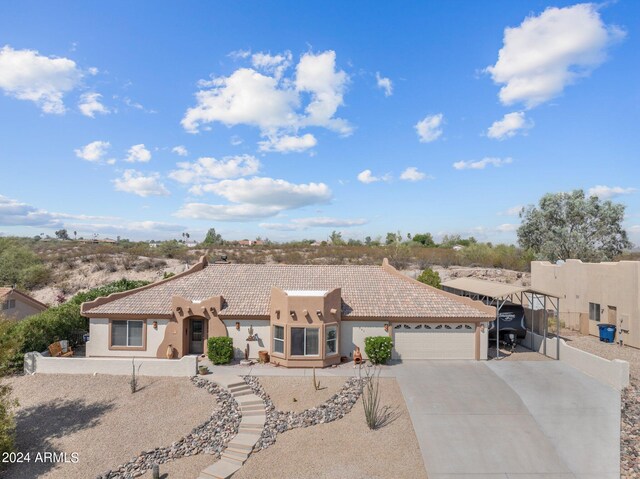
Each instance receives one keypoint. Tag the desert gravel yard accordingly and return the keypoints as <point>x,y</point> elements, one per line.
<point>98,417</point>
<point>342,448</point>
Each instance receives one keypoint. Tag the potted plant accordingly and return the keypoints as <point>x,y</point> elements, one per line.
<point>203,370</point>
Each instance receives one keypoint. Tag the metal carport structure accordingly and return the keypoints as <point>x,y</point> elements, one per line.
<point>498,294</point>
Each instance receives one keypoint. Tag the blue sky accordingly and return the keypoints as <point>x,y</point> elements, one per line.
<point>289,120</point>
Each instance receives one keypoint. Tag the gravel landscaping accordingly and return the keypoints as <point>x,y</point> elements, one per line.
<point>315,444</point>
<point>99,418</point>
<point>630,426</point>
<point>208,438</point>
<point>283,390</point>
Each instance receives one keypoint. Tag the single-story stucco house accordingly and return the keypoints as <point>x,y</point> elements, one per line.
<point>303,315</point>
<point>18,305</point>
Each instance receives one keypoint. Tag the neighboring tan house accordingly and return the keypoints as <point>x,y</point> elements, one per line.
<point>594,293</point>
<point>303,315</point>
<point>18,305</point>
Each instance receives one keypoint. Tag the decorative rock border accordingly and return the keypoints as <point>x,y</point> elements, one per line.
<point>334,408</point>
<point>211,437</point>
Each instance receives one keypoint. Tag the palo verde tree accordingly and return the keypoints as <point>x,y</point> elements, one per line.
<point>572,225</point>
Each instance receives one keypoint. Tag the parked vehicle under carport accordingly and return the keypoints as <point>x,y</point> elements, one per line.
<point>511,322</point>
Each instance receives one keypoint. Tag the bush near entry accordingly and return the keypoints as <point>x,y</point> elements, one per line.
<point>378,348</point>
<point>220,349</point>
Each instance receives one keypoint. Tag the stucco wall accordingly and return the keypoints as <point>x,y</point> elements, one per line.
<point>352,334</point>
<point>36,363</point>
<point>260,327</point>
<point>608,284</point>
<point>22,309</point>
<point>614,373</point>
<point>98,345</point>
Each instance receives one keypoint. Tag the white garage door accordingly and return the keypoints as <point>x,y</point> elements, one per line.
<point>434,341</point>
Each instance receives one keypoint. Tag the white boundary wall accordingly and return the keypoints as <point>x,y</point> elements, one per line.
<point>615,373</point>
<point>35,362</point>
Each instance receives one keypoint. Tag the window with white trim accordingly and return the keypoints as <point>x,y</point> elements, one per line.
<point>278,339</point>
<point>127,333</point>
<point>594,312</point>
<point>305,341</point>
<point>332,340</point>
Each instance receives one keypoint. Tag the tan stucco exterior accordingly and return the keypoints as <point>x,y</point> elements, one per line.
<point>322,310</point>
<point>17,305</point>
<point>615,287</point>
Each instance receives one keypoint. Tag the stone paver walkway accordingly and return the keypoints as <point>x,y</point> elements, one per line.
<point>240,447</point>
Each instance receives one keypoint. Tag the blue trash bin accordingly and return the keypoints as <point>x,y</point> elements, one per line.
<point>607,332</point>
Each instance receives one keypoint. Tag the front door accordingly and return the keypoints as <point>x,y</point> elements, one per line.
<point>196,337</point>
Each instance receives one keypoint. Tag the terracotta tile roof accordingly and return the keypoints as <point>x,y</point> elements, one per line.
<point>367,291</point>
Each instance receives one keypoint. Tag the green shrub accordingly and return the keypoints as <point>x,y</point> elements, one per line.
<point>8,347</point>
<point>430,277</point>
<point>220,349</point>
<point>378,348</point>
<point>37,332</point>
<point>21,266</point>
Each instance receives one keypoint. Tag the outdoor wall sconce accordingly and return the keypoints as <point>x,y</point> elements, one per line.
<point>179,310</point>
<point>238,325</point>
<point>482,328</point>
<point>278,313</point>
<point>333,311</point>
<point>292,313</point>
<point>155,325</point>
<point>386,327</point>
<point>319,313</point>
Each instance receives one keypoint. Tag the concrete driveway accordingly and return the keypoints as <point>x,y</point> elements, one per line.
<point>512,420</point>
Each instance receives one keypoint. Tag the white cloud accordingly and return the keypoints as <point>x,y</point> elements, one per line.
<point>509,126</point>
<point>547,52</point>
<point>138,153</point>
<point>239,54</point>
<point>255,198</point>
<point>481,164</point>
<point>16,213</point>
<point>235,140</point>
<point>430,128</point>
<point>513,211</point>
<point>272,192</point>
<point>299,224</point>
<point>180,150</point>
<point>385,84</point>
<point>138,183</point>
<point>275,103</point>
<point>245,212</point>
<point>506,228</point>
<point>27,75</point>
<point>605,192</point>
<point>204,170</point>
<point>412,174</point>
<point>367,177</point>
<point>274,64</point>
<point>289,143</point>
<point>90,104</point>
<point>94,151</point>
